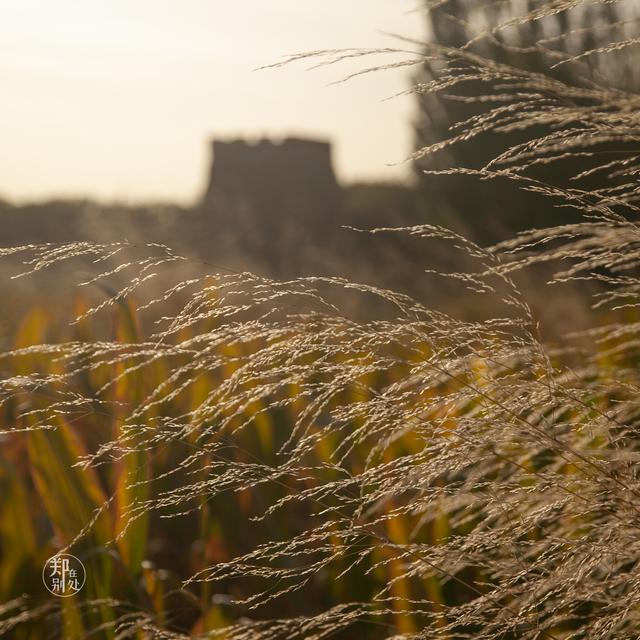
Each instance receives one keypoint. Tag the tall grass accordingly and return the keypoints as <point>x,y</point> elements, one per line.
<point>256,465</point>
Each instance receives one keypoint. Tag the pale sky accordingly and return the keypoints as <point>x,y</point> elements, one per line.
<point>117,99</point>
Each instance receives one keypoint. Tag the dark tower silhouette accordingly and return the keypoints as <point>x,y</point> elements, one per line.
<point>273,200</point>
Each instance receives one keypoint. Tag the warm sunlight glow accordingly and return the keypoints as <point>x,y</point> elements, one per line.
<point>118,99</point>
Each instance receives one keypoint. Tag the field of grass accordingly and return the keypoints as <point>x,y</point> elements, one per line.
<point>234,457</point>
<point>240,474</point>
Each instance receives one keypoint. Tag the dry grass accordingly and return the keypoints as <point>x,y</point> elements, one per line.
<point>416,477</point>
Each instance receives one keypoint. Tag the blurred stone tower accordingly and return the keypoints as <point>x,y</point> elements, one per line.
<point>273,200</point>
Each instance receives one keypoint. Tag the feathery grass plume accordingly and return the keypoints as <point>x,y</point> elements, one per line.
<point>299,474</point>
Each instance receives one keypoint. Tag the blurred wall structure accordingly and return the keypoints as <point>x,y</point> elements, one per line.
<point>276,201</point>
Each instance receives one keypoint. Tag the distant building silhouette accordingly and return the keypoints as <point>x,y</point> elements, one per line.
<point>276,171</point>
<point>270,196</point>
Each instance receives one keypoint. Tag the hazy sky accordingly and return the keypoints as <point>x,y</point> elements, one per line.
<point>117,99</point>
